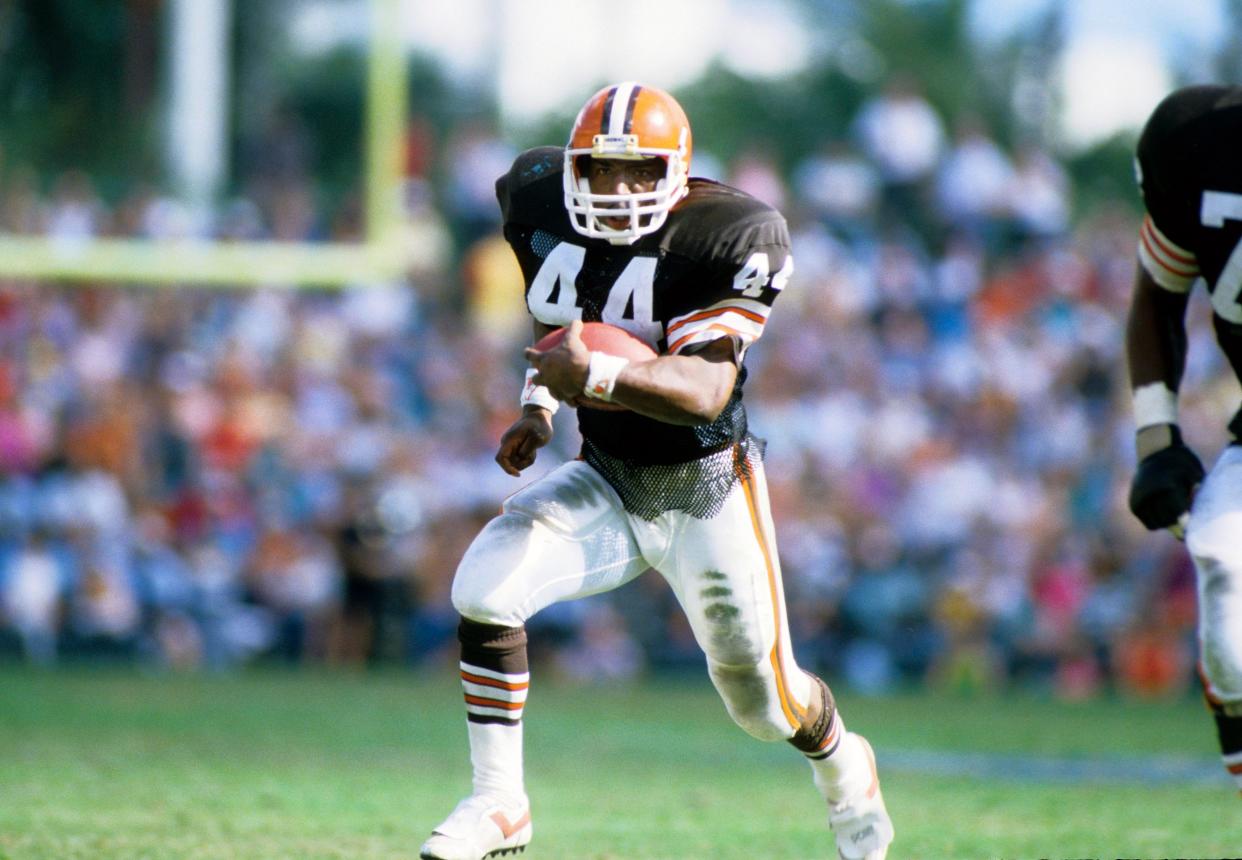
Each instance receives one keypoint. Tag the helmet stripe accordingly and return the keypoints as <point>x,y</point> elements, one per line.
<point>629,109</point>
<point>619,109</point>
<point>607,111</point>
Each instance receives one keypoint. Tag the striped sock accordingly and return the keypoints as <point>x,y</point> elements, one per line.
<point>843,770</point>
<point>830,741</point>
<point>839,763</point>
<point>819,735</point>
<point>493,697</point>
<point>494,678</point>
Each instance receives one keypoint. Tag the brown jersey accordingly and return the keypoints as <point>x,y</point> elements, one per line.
<point>1190,171</point>
<point>713,270</point>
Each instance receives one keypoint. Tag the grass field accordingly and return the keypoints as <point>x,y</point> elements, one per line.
<point>272,765</point>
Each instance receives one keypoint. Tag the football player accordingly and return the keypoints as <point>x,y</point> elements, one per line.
<point>611,228</point>
<point>1191,179</point>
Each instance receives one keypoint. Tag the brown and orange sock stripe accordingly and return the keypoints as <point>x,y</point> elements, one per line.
<point>495,674</point>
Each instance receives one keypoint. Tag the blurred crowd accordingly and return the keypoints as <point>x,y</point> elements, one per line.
<point>203,479</point>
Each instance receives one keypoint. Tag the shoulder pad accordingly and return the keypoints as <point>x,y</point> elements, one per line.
<point>1180,108</point>
<point>717,222</point>
<point>536,173</point>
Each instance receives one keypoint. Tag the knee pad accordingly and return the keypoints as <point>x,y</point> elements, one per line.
<point>483,588</point>
<point>1214,543</point>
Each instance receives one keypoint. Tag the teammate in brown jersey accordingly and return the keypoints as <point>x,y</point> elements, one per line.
<point>1191,178</point>
<point>611,228</point>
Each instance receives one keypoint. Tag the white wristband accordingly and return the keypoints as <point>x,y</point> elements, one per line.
<point>602,375</point>
<point>537,395</point>
<point>1154,403</point>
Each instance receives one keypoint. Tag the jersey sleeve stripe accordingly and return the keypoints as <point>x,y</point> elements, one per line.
<point>760,318</point>
<point>1169,265</point>
<point>1153,253</point>
<point>712,332</point>
<point>1167,245</point>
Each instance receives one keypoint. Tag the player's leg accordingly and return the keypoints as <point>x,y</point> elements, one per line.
<point>1212,539</point>
<point>725,573</point>
<point>561,538</point>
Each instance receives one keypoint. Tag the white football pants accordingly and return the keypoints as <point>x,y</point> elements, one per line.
<point>1214,539</point>
<point>568,536</point>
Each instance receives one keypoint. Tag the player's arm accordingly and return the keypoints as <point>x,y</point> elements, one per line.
<point>533,428</point>
<point>681,389</point>
<point>686,389</point>
<point>1168,471</point>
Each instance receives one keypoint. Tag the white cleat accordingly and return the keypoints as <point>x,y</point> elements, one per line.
<point>481,827</point>
<point>861,824</point>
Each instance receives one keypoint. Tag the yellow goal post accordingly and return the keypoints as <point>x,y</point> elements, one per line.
<point>381,255</point>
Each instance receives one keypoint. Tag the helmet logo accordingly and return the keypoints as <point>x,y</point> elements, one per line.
<point>615,146</point>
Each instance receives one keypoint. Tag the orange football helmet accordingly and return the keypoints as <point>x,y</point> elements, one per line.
<point>635,122</point>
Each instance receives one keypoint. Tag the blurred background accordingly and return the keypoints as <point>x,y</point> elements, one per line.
<point>208,464</point>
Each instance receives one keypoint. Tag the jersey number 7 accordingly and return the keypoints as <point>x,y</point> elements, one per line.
<point>1217,208</point>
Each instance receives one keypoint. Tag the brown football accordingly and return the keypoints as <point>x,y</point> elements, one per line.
<point>602,337</point>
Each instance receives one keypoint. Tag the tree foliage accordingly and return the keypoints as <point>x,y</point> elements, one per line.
<point>63,85</point>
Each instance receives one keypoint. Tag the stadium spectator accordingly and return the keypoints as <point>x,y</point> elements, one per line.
<point>903,136</point>
<point>31,595</point>
<point>841,188</point>
<point>974,185</point>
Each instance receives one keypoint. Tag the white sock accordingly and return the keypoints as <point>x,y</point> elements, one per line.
<point>496,758</point>
<point>847,772</point>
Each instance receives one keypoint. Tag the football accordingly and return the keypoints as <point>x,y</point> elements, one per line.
<point>602,337</point>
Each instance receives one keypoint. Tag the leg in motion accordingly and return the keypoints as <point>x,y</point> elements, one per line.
<point>1212,539</point>
<point>561,538</point>
<point>843,768</point>
<point>495,819</point>
<point>726,575</point>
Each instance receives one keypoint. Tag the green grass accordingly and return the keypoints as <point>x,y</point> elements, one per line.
<point>269,765</point>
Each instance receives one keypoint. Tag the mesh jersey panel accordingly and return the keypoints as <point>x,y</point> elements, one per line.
<point>542,242</point>
<point>698,487</point>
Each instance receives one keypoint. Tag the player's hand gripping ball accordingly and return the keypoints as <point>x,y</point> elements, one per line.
<point>602,337</point>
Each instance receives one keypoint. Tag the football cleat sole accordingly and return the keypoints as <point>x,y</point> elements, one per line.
<point>500,852</point>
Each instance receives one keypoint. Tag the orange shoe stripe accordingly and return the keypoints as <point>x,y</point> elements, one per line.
<point>508,828</point>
